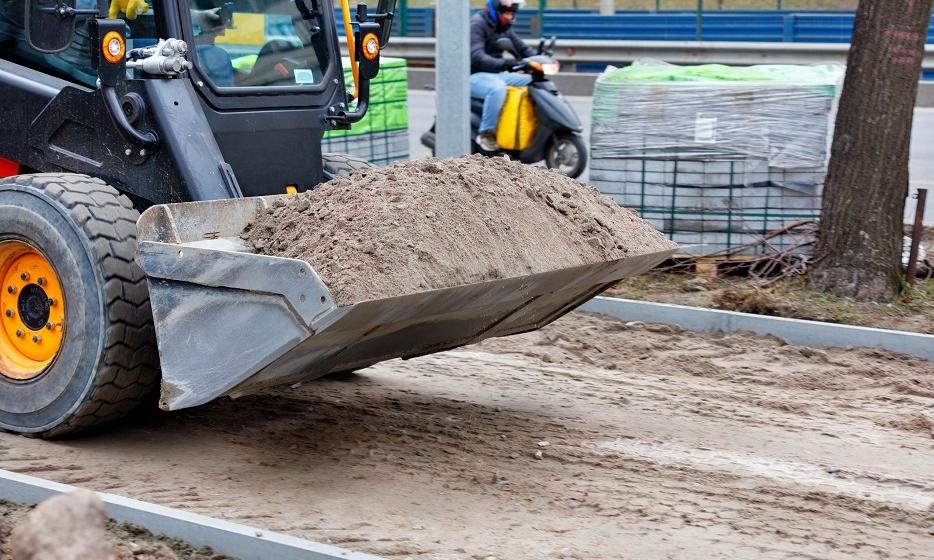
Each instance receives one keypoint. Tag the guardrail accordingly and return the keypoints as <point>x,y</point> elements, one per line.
<point>590,55</point>
<point>804,26</point>
<point>709,26</point>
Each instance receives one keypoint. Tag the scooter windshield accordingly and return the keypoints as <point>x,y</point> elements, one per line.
<point>259,42</point>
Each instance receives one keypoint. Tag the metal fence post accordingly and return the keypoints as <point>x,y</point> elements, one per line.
<point>404,18</point>
<point>542,6</point>
<point>699,33</point>
<point>788,27</point>
<point>452,78</point>
<point>922,197</point>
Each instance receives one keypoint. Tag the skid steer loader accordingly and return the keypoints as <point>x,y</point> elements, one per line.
<point>198,114</point>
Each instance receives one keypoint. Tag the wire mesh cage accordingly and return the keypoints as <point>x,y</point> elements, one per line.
<point>715,157</point>
<point>382,135</point>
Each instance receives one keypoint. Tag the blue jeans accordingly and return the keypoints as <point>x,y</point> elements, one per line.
<point>491,88</point>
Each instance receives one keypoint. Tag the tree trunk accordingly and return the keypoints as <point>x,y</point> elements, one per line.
<point>858,252</point>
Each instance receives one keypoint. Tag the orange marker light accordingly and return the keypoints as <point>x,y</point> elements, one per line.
<point>370,46</point>
<point>113,47</point>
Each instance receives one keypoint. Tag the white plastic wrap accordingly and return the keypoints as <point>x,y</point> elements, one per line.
<point>715,156</point>
<point>758,116</point>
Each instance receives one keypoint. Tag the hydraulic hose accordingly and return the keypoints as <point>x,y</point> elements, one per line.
<point>351,47</point>
<point>362,105</point>
<point>129,133</point>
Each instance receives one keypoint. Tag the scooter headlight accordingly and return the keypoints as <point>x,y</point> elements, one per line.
<point>551,68</point>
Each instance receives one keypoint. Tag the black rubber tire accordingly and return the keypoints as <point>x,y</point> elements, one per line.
<point>343,164</point>
<point>579,144</point>
<point>108,362</point>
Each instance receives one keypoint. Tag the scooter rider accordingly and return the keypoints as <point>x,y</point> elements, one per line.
<point>489,72</point>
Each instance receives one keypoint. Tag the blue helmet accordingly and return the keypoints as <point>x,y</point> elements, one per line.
<point>495,9</point>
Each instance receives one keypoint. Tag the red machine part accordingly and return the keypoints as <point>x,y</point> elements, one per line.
<point>8,168</point>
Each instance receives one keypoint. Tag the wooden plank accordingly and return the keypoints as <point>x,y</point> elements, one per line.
<point>706,268</point>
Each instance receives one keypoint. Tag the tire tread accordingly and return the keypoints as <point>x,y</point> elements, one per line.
<point>108,220</point>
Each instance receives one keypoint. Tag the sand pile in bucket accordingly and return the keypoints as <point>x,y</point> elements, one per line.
<point>429,224</point>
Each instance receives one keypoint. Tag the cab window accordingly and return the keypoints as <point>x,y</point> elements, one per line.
<point>259,43</point>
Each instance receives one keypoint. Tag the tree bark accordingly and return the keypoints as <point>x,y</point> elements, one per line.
<point>858,251</point>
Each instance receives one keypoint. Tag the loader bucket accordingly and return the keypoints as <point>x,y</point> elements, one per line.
<point>231,322</point>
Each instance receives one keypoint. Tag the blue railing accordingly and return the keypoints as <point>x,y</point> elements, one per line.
<point>421,23</point>
<point>732,25</point>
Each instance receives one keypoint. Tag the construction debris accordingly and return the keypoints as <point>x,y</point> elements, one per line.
<point>430,224</point>
<point>67,527</point>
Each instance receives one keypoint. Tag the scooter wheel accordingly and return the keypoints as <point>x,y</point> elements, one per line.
<point>567,153</point>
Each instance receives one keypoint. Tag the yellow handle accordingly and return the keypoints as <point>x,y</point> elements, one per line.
<point>351,48</point>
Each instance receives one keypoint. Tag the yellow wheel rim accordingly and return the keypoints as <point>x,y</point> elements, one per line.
<point>32,311</point>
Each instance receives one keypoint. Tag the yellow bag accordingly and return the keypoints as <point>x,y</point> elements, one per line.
<point>517,122</point>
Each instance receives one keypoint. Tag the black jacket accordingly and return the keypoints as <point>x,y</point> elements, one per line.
<point>485,56</point>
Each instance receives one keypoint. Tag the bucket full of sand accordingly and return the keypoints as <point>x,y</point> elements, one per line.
<point>401,261</point>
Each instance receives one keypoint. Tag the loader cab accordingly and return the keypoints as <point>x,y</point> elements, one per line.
<point>267,73</point>
<point>266,82</point>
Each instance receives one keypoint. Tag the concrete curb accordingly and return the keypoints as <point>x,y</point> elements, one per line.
<point>232,539</point>
<point>795,331</point>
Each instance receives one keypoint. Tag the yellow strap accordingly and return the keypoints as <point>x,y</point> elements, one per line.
<point>351,48</point>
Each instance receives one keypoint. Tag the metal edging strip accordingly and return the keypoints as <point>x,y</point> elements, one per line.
<point>235,540</point>
<point>795,331</point>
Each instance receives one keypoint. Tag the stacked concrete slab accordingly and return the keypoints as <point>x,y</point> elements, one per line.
<point>716,157</point>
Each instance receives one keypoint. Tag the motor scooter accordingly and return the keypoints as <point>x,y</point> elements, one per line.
<point>557,139</point>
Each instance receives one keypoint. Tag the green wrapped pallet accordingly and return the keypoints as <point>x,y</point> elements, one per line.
<point>649,71</point>
<point>715,156</point>
<point>388,99</point>
<point>382,135</point>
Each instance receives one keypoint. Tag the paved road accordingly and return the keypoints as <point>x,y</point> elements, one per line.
<point>422,112</point>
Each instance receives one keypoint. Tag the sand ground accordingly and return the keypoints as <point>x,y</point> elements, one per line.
<point>587,439</point>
